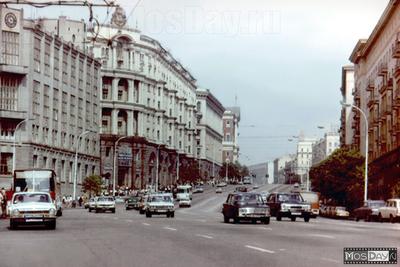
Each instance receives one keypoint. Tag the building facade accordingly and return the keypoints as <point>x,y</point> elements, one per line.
<point>303,160</point>
<point>209,134</point>
<point>230,143</point>
<point>148,96</point>
<point>346,118</point>
<point>377,92</point>
<point>324,147</point>
<point>280,168</point>
<point>49,95</point>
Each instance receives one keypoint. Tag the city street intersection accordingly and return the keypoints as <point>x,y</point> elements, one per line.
<point>197,236</point>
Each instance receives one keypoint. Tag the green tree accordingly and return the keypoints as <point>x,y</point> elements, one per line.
<point>189,172</point>
<point>92,184</point>
<point>339,178</point>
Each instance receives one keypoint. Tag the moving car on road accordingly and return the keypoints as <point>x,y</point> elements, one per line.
<point>245,206</point>
<point>185,202</point>
<point>391,211</point>
<point>246,180</point>
<point>184,191</point>
<point>142,203</point>
<point>313,199</point>
<point>160,204</point>
<point>369,211</point>
<point>218,190</point>
<point>290,205</point>
<point>92,204</point>
<point>241,189</point>
<point>105,203</point>
<point>339,212</point>
<point>198,189</point>
<point>132,203</point>
<point>32,208</point>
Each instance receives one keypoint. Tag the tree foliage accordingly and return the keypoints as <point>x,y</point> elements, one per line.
<point>189,172</point>
<point>92,184</point>
<point>340,178</point>
<point>235,170</point>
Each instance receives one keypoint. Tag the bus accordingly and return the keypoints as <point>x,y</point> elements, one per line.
<point>38,180</point>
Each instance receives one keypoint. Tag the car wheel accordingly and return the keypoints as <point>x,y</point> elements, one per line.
<point>235,220</point>
<point>97,210</point>
<point>357,219</point>
<point>254,221</point>
<point>293,218</point>
<point>13,225</point>
<point>391,219</point>
<point>266,220</point>
<point>90,210</point>
<point>127,208</point>
<point>52,225</point>
<point>59,213</point>
<point>148,214</point>
<point>278,217</point>
<point>172,215</point>
<point>113,210</point>
<point>141,211</point>
<point>226,219</point>
<point>380,219</point>
<point>307,219</point>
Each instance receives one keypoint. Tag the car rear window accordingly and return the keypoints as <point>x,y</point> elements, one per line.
<point>26,198</point>
<point>249,198</point>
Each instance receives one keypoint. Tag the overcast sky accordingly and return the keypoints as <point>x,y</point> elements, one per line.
<point>281,58</point>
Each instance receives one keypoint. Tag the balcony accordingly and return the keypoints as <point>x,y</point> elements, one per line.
<point>372,99</point>
<point>370,85</point>
<point>396,47</point>
<point>396,70</point>
<point>382,86</point>
<point>382,68</point>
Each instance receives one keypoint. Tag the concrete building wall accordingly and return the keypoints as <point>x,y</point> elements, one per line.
<point>346,119</point>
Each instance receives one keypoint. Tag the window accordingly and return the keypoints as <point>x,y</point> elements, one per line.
<point>47,59</point>
<point>6,163</point>
<point>8,92</point>
<point>56,72</point>
<point>10,48</point>
<point>36,54</point>
<point>228,124</point>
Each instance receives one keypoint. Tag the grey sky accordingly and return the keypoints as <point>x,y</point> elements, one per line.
<point>281,58</point>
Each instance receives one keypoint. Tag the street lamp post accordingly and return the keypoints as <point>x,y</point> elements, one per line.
<point>157,166</point>
<point>115,161</point>
<point>76,162</point>
<point>177,166</point>
<point>14,141</point>
<point>226,170</point>
<point>366,147</point>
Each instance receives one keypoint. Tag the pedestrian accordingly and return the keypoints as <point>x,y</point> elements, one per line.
<point>3,202</point>
<point>80,200</point>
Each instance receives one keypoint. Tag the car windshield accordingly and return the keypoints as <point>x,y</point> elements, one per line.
<point>310,197</point>
<point>105,199</point>
<point>133,199</point>
<point>340,208</point>
<point>290,198</point>
<point>160,199</point>
<point>250,198</point>
<point>26,198</point>
<point>377,204</point>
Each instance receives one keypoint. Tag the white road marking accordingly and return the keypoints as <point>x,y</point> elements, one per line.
<point>260,249</point>
<point>266,228</point>
<point>146,224</point>
<point>323,236</point>
<point>169,228</point>
<point>331,260</point>
<point>205,236</point>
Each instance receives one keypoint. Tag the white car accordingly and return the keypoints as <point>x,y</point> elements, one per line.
<point>32,208</point>
<point>185,202</point>
<point>92,204</point>
<point>105,203</point>
<point>391,211</point>
<point>160,204</point>
<point>218,190</point>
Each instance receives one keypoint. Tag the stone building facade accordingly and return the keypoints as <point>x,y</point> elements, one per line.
<point>346,118</point>
<point>50,88</point>
<point>230,143</point>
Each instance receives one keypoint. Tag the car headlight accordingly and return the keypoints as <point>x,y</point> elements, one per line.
<point>15,212</point>
<point>285,207</point>
<point>52,212</point>
<point>267,211</point>
<point>307,207</point>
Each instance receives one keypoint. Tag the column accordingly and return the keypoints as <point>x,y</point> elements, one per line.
<point>114,121</point>
<point>131,90</point>
<point>114,89</point>
<point>140,124</point>
<point>130,122</point>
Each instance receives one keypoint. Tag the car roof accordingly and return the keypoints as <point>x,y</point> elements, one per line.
<point>245,193</point>
<point>29,193</point>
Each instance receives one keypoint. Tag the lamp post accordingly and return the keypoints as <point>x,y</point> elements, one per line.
<point>226,170</point>
<point>15,139</point>
<point>115,161</point>
<point>347,105</point>
<point>177,166</point>
<point>157,166</point>
<point>76,162</point>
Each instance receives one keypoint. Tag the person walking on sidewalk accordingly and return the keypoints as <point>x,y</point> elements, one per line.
<point>3,202</point>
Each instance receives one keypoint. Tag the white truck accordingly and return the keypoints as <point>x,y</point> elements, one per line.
<point>184,192</point>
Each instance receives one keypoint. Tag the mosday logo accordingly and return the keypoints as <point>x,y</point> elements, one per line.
<point>370,255</point>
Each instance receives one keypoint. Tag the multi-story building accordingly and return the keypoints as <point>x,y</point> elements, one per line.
<point>209,133</point>
<point>346,118</point>
<point>325,147</point>
<point>49,88</point>
<point>230,144</point>
<point>148,98</point>
<point>280,168</point>
<point>304,157</point>
<point>260,172</point>
<point>377,92</point>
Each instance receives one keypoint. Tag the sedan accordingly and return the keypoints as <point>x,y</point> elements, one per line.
<point>218,190</point>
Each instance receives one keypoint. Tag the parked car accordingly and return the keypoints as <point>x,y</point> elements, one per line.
<point>218,190</point>
<point>256,186</point>
<point>290,205</point>
<point>142,203</point>
<point>105,203</point>
<point>32,208</point>
<point>391,211</point>
<point>185,202</point>
<point>132,203</point>
<point>340,212</point>
<point>92,204</point>
<point>198,189</point>
<point>160,204</point>
<point>369,211</point>
<point>222,184</point>
<point>245,206</point>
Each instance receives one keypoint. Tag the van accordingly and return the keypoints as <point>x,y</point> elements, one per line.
<point>313,199</point>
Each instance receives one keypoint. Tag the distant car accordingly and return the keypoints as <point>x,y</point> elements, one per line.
<point>245,206</point>
<point>256,186</point>
<point>185,202</point>
<point>368,212</point>
<point>105,203</point>
<point>246,180</point>
<point>142,203</point>
<point>160,204</point>
<point>241,189</point>
<point>132,203</point>
<point>198,189</point>
<point>92,204</point>
<point>32,208</point>
<point>222,184</point>
<point>119,200</point>
<point>218,190</point>
<point>340,212</point>
<point>290,205</point>
<point>391,211</point>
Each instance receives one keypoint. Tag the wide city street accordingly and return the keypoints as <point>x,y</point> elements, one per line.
<point>197,236</point>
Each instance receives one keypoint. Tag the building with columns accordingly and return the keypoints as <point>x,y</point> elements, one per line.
<point>49,88</point>
<point>148,96</point>
<point>377,93</point>
<point>346,118</point>
<point>209,133</point>
<point>231,119</point>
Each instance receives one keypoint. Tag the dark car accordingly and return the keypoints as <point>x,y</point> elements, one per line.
<point>370,210</point>
<point>290,205</point>
<point>241,189</point>
<point>132,203</point>
<point>245,206</point>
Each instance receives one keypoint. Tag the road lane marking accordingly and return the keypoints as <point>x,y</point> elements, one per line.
<point>331,260</point>
<point>169,228</point>
<point>266,228</point>
<point>260,249</point>
<point>146,224</point>
<point>323,236</point>
<point>205,236</point>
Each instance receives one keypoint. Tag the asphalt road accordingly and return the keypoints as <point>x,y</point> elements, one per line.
<point>196,236</point>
